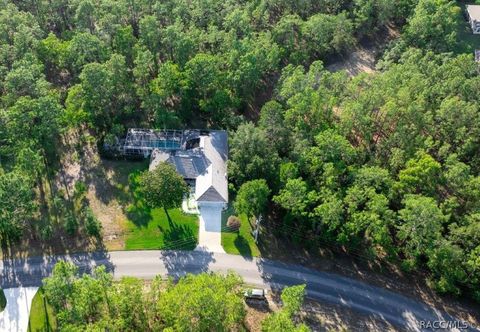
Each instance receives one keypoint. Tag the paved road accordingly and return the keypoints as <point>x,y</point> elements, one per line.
<point>401,311</point>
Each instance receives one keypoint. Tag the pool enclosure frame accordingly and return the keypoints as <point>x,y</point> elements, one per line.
<point>144,141</point>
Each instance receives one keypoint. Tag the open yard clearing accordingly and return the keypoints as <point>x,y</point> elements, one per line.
<point>112,195</point>
<point>363,57</point>
<point>360,60</point>
<point>127,223</point>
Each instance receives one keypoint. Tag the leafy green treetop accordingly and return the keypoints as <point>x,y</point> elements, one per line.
<point>206,302</point>
<point>292,298</point>
<point>433,25</point>
<point>252,198</point>
<point>16,204</point>
<point>163,187</point>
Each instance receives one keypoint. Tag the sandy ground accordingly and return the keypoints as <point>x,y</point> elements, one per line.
<point>16,314</point>
<point>106,189</point>
<point>363,58</point>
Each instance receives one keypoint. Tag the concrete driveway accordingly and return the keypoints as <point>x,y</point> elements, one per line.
<point>210,229</point>
<point>17,312</point>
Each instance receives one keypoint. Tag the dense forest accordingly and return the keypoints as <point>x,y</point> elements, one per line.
<point>382,165</point>
<point>204,302</point>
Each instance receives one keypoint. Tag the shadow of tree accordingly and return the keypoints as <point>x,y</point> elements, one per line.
<point>243,246</point>
<point>139,214</point>
<point>260,306</point>
<point>123,175</point>
<point>29,271</point>
<point>180,263</point>
<point>179,237</point>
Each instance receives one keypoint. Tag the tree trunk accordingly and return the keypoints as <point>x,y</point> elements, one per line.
<point>168,217</point>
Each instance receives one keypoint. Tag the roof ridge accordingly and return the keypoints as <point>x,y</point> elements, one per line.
<point>211,194</point>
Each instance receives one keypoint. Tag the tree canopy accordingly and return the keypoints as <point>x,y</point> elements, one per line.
<point>163,187</point>
<point>252,198</point>
<point>83,302</point>
<point>384,165</point>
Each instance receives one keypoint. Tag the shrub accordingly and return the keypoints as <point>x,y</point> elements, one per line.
<point>3,300</point>
<point>92,225</point>
<point>46,232</point>
<point>233,223</point>
<point>71,224</point>
<point>80,189</point>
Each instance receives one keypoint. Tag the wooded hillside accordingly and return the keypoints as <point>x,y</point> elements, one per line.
<point>384,165</point>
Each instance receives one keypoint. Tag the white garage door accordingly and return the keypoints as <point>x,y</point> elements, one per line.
<point>212,217</point>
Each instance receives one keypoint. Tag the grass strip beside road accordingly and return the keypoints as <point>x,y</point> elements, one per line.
<point>42,317</point>
<point>239,242</point>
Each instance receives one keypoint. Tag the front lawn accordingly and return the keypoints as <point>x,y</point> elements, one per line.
<point>241,242</point>
<point>154,229</point>
<point>41,314</point>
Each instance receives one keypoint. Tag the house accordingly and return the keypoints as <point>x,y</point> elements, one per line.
<point>477,56</point>
<point>202,164</point>
<point>474,17</point>
<point>201,158</point>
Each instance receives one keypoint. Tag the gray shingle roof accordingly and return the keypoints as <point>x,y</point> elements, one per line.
<point>188,166</point>
<point>211,195</point>
<point>207,164</point>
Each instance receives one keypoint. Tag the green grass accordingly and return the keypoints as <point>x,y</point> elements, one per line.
<point>241,242</point>
<point>41,314</point>
<point>3,300</point>
<point>154,229</point>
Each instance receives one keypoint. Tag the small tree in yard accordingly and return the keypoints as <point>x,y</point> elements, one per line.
<point>252,198</point>
<point>163,187</point>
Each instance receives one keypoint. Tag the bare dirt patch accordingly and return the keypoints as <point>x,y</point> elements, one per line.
<point>360,60</point>
<point>363,58</point>
<point>256,313</point>
<point>107,186</point>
